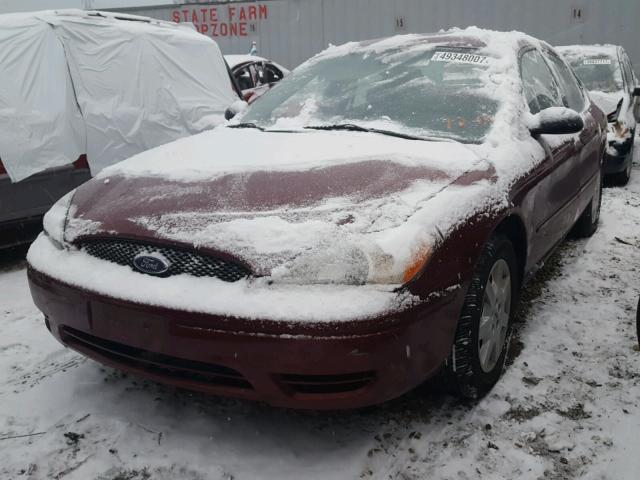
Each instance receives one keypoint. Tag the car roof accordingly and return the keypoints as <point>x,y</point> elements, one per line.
<point>235,60</point>
<point>496,42</point>
<point>596,50</point>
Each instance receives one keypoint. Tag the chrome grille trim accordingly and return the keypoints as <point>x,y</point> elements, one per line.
<point>182,261</point>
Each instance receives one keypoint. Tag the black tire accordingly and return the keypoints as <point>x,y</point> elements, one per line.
<point>463,373</point>
<point>622,178</point>
<point>588,222</point>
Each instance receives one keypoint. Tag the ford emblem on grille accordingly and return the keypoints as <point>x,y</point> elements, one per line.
<point>151,263</point>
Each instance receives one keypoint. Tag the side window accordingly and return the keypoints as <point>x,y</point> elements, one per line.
<point>243,78</point>
<point>540,89</point>
<point>258,74</point>
<point>570,90</point>
<point>634,80</point>
<point>273,74</point>
<point>628,73</point>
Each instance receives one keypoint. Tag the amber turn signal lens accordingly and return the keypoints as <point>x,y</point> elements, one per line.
<point>418,260</point>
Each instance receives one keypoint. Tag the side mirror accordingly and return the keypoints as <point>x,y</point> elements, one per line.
<point>229,113</point>
<point>235,108</point>
<point>636,92</point>
<point>556,121</point>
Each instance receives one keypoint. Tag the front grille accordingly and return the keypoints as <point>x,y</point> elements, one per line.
<point>327,384</point>
<point>155,363</point>
<point>181,261</point>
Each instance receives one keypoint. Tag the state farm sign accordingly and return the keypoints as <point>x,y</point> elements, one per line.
<point>237,20</point>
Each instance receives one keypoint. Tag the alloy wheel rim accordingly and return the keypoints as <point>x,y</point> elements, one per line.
<point>494,321</point>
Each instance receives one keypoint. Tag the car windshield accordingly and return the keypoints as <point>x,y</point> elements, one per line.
<point>428,93</point>
<point>598,73</point>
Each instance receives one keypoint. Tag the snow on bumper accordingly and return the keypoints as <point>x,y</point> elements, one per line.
<point>250,299</point>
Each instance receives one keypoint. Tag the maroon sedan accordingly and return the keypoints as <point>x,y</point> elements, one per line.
<point>364,226</point>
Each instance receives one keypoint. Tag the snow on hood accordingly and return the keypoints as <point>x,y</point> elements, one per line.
<point>270,197</point>
<point>225,150</point>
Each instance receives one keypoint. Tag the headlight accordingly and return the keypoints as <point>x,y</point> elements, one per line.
<point>346,265</point>
<point>54,220</point>
<point>351,265</point>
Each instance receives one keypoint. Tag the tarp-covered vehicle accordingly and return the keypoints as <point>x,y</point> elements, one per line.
<point>82,90</point>
<point>607,73</point>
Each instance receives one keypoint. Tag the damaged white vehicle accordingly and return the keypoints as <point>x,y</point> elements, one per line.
<point>607,73</point>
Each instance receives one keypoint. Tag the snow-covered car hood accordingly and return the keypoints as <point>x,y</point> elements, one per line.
<point>268,198</point>
<point>606,101</point>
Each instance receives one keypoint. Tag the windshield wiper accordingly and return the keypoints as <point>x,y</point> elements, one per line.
<point>246,125</point>
<point>358,128</point>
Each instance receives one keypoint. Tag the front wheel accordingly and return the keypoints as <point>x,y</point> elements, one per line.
<point>484,329</point>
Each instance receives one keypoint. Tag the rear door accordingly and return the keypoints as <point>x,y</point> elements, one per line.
<point>557,182</point>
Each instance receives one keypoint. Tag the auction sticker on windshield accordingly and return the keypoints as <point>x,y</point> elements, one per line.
<point>597,61</point>
<point>459,57</point>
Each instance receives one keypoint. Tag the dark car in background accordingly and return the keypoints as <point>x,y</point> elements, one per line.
<point>607,73</point>
<point>389,201</point>
<point>254,75</point>
<point>22,204</point>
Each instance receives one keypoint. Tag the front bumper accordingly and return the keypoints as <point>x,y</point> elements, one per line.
<point>312,366</point>
<point>617,156</point>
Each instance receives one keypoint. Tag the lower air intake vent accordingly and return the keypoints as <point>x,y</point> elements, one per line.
<point>178,261</point>
<point>327,384</point>
<point>155,363</point>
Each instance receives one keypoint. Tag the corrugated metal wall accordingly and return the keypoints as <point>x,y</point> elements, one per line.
<point>294,30</point>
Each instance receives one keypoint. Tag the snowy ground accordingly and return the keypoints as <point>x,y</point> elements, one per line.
<point>566,408</point>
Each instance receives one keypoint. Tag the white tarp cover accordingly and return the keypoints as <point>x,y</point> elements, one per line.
<point>138,84</point>
<point>40,124</point>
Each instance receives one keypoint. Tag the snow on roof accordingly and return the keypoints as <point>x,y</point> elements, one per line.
<point>493,42</point>
<point>581,51</point>
<point>235,60</point>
